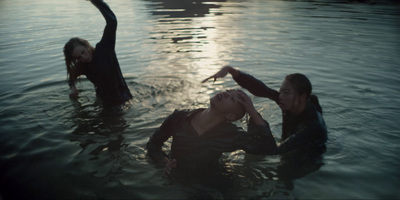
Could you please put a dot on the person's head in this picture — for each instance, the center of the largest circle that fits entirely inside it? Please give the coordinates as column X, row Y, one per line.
column 295, row 91
column 77, row 51
column 227, row 103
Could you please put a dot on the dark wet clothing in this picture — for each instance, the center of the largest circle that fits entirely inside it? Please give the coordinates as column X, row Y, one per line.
column 194, row 152
column 104, row 71
column 306, row 130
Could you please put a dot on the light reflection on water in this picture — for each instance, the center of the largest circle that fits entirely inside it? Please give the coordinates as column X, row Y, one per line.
column 52, row 146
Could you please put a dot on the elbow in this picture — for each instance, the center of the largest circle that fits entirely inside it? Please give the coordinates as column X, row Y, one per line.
column 271, row 150
column 154, row 151
column 151, row 147
column 270, row 147
column 151, row 150
column 112, row 23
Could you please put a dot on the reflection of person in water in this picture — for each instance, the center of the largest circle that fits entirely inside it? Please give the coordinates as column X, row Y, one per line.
column 183, row 8
column 303, row 125
column 200, row 136
column 100, row 65
column 90, row 123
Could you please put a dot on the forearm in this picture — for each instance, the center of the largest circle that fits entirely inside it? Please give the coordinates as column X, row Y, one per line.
column 309, row 134
column 160, row 136
column 71, row 83
column 254, row 86
column 73, row 90
column 256, row 118
column 156, row 152
column 262, row 142
column 106, row 11
column 289, row 144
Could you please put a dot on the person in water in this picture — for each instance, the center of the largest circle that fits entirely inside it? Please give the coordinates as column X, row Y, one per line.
column 302, row 123
column 200, row 136
column 100, row 65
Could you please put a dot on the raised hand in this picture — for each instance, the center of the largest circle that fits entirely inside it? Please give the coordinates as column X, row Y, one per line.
column 249, row 107
column 220, row 74
column 246, row 102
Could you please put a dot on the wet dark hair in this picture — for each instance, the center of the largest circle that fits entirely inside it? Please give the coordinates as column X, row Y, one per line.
column 73, row 69
column 302, row 85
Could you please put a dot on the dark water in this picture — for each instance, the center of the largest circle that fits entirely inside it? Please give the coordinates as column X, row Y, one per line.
column 54, row 147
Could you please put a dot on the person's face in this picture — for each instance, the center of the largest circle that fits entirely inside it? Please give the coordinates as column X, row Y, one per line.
column 287, row 97
column 82, row 54
column 226, row 102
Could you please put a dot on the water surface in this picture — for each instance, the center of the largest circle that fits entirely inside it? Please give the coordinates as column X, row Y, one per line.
column 54, row 147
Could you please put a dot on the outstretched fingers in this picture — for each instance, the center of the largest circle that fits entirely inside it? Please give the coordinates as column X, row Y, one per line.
column 205, row 80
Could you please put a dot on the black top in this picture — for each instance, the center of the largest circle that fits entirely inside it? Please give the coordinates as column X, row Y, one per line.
column 307, row 129
column 196, row 152
column 105, row 72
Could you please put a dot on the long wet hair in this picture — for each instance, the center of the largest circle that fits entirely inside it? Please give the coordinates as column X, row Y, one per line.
column 74, row 67
column 302, row 85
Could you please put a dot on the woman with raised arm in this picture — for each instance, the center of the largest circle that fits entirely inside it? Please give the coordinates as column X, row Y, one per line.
column 200, row 136
column 302, row 123
column 100, row 65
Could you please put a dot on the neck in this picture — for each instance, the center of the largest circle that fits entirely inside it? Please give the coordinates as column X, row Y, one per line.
column 206, row 120
column 299, row 109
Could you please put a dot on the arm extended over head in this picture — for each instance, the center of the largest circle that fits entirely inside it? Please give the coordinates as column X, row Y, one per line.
column 253, row 85
column 110, row 29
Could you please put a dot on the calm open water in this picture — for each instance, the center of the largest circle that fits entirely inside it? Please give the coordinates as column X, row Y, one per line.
column 54, row 147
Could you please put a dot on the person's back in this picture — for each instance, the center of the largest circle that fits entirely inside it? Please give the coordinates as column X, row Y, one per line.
column 308, row 128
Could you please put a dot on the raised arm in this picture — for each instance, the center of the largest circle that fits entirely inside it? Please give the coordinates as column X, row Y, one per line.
column 258, row 139
column 109, row 34
column 253, row 85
